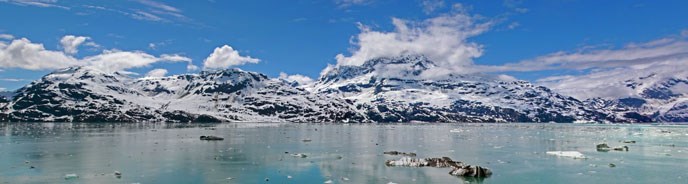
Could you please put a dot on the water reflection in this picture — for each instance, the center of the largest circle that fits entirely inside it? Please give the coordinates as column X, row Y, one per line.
column 346, row 153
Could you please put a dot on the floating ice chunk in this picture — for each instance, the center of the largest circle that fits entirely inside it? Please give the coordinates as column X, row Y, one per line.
column 71, row 176
column 572, row 154
column 299, row 155
column 407, row 161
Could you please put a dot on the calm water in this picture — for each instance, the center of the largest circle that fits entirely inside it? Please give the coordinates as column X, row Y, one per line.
column 251, row 152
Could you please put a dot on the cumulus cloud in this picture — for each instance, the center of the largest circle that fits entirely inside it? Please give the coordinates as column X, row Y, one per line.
column 24, row 54
column 115, row 60
column 300, row 79
column 442, row 39
column 70, row 43
column 226, row 56
column 159, row 72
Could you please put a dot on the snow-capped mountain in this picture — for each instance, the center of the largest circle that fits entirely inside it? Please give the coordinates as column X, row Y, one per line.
column 651, row 98
column 87, row 94
column 394, row 89
column 398, row 89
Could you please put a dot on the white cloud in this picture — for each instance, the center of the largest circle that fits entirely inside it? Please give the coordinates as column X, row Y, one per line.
column 443, row 39
column 157, row 11
column 114, row 60
column 515, row 6
column 159, row 5
column 631, row 54
column 159, row 72
column 226, row 56
column 6, row 36
column 430, row 6
column 36, row 3
column 611, row 83
column 300, row 79
column 24, row 54
column 513, row 25
column 13, row 80
column 142, row 15
column 70, row 43
column 610, row 68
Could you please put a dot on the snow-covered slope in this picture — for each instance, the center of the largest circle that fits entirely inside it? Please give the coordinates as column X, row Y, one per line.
column 87, row 94
column 650, row 98
column 647, row 91
column 399, row 89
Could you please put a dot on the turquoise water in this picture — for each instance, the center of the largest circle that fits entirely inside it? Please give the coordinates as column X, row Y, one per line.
column 343, row 153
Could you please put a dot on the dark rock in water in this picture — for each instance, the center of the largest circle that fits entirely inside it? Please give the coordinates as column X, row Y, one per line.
column 458, row 168
column 622, row 148
column 211, row 138
column 604, row 148
column 470, row 171
column 400, row 153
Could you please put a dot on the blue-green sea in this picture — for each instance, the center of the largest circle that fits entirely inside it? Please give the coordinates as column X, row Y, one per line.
column 336, row 153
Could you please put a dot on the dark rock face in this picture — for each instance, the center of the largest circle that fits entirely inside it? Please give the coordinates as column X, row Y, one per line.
column 211, row 138
column 399, row 153
column 470, row 171
column 605, row 148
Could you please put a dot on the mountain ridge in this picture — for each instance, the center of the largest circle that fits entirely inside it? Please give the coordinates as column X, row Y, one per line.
column 386, row 89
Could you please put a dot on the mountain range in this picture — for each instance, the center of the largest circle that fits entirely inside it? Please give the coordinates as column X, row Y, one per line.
column 388, row 89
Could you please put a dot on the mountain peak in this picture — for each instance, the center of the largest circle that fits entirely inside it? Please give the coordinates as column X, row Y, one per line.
column 398, row 66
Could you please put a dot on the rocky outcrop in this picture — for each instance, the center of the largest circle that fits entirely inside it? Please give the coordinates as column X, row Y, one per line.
column 605, row 148
column 211, row 138
column 458, row 168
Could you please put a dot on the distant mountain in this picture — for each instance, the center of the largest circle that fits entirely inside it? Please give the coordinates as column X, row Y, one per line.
column 653, row 98
column 89, row 95
column 398, row 89
column 390, row 89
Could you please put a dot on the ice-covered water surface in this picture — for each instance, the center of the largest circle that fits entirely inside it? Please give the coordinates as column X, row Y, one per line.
column 337, row 153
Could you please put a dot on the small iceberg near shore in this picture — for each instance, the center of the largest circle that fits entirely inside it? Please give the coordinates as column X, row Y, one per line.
column 571, row 154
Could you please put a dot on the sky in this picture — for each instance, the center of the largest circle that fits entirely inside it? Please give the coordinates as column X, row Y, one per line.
column 538, row 41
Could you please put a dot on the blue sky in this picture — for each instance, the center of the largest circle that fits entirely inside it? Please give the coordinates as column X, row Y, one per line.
column 304, row 36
